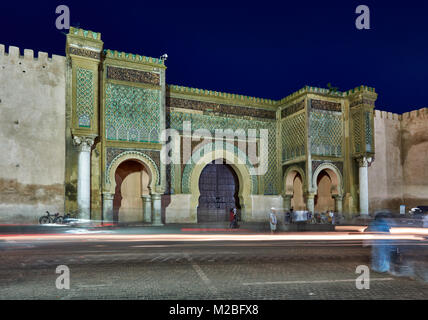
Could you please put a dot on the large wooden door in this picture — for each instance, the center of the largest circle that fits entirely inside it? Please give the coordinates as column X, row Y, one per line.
column 218, row 186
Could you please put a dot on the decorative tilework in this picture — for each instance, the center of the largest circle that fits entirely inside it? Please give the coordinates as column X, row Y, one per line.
column 326, row 133
column 326, row 105
column 293, row 109
column 131, row 75
column 337, row 164
column 132, row 114
column 362, row 101
column 211, row 123
column 220, row 109
column 119, row 155
column 369, row 133
column 84, row 97
column 84, row 53
column 293, row 137
column 114, row 152
column 356, row 124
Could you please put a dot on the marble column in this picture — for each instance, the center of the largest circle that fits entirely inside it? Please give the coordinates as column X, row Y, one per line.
column 156, row 209
column 147, row 208
column 84, row 145
column 108, row 206
column 310, row 204
column 338, row 203
column 363, row 163
column 287, row 202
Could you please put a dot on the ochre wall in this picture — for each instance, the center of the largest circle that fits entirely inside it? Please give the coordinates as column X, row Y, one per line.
column 414, row 144
column 398, row 175
column 32, row 126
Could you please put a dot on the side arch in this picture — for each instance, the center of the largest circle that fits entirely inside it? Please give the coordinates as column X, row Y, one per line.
column 335, row 177
column 289, row 178
column 140, row 157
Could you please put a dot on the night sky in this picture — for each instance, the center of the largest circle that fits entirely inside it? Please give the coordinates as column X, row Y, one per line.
column 256, row 48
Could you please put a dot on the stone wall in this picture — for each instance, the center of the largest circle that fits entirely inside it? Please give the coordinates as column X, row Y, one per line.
column 414, row 157
column 398, row 174
column 32, row 126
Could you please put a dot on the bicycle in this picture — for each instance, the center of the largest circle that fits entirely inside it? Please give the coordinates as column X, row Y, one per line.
column 51, row 218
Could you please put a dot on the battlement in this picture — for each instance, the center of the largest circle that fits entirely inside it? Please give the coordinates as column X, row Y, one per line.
column 358, row 90
column 419, row 113
column 379, row 114
column 132, row 57
column 88, row 34
column 42, row 57
column 324, row 91
column 415, row 114
column 211, row 93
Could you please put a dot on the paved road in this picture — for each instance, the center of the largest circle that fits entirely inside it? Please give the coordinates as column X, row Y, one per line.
column 171, row 269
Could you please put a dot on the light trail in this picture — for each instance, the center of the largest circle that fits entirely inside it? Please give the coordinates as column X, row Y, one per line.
column 320, row 236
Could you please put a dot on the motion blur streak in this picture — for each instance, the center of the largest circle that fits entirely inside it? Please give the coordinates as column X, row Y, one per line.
column 322, row 236
column 420, row 231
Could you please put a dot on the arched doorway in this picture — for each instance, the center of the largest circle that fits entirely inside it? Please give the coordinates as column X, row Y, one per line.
column 293, row 187
column 219, row 192
column 324, row 199
column 132, row 181
column 297, row 201
column 327, row 184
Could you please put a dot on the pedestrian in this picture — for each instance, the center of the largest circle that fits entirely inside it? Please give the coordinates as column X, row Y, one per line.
column 235, row 218
column 231, row 218
column 272, row 221
column 333, row 217
column 330, row 216
column 287, row 217
column 291, row 215
column 381, row 249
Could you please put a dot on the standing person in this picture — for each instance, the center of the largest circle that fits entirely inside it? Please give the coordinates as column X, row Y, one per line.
column 272, row 221
column 287, row 217
column 235, row 218
column 381, row 249
column 291, row 214
column 333, row 217
column 231, row 218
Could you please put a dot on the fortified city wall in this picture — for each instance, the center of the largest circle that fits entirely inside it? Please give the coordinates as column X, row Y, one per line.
column 398, row 175
column 32, row 126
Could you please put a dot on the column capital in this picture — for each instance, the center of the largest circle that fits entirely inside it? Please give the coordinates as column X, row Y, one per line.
column 364, row 161
column 146, row 197
column 84, row 143
column 108, row 196
column 159, row 189
column 338, row 197
column 156, row 196
column 287, row 196
column 310, row 195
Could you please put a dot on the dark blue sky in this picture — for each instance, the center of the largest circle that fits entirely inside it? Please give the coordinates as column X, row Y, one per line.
column 257, row 48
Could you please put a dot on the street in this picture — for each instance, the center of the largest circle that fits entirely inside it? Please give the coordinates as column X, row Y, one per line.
column 123, row 265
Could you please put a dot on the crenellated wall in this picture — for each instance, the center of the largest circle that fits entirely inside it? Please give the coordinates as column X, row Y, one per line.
column 398, row 175
column 414, row 157
column 32, row 126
